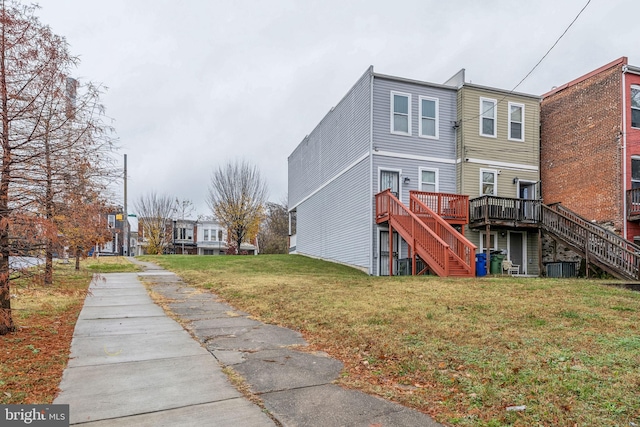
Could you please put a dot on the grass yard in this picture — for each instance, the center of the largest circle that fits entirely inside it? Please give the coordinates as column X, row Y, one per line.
column 33, row 358
column 462, row 350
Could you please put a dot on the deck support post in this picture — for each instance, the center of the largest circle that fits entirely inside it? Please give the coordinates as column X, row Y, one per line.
column 487, row 240
column 390, row 249
column 586, row 255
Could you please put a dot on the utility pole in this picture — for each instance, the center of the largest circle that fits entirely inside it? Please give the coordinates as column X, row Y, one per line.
column 126, row 214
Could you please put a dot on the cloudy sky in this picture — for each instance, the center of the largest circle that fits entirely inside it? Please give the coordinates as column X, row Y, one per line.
column 194, row 84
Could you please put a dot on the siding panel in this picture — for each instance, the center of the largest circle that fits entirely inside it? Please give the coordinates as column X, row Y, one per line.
column 337, row 141
column 334, row 224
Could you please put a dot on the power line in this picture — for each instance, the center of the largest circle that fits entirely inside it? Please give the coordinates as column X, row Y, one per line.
column 554, row 45
column 535, row 66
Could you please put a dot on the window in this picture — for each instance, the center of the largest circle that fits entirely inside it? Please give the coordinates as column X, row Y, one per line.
column 516, row 122
column 111, row 221
column 429, row 117
column 488, row 184
column 488, row 117
column 493, row 242
column 401, row 113
column 635, row 172
column 206, row 235
column 429, row 180
column 635, row 106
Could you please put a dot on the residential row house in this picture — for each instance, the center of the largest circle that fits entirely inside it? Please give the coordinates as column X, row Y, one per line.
column 397, row 158
column 590, row 160
column 411, row 176
column 191, row 237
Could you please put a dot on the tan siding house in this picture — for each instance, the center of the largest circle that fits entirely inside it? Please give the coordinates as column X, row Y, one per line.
column 498, row 146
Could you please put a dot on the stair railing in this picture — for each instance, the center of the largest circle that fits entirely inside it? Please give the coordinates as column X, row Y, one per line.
column 425, row 242
column 460, row 247
column 613, row 253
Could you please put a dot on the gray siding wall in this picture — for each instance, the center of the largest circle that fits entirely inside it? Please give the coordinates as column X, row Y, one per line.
column 335, row 223
column 338, row 141
column 443, row 147
column 408, row 154
column 408, row 168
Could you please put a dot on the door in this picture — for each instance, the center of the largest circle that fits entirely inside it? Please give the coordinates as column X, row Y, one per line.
column 390, row 179
column 517, row 249
column 384, row 253
column 527, row 191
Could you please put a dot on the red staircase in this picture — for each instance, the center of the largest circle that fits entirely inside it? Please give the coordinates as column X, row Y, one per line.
column 445, row 251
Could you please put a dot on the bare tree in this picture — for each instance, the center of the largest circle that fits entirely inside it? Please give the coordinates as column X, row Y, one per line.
column 154, row 218
column 274, row 232
column 237, row 195
column 34, row 132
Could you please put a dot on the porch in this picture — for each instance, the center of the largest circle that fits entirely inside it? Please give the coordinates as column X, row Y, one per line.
column 504, row 212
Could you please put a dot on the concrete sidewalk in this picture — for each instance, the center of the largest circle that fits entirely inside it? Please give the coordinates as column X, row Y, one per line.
column 131, row 365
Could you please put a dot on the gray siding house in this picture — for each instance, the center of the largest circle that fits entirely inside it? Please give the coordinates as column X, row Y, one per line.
column 386, row 133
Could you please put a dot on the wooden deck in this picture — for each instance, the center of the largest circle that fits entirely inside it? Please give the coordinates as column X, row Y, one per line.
column 504, row 212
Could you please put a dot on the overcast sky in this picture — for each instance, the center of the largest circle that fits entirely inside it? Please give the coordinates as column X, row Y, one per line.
column 194, row 84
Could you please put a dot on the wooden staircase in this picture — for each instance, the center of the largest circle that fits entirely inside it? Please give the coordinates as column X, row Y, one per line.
column 445, row 251
column 598, row 246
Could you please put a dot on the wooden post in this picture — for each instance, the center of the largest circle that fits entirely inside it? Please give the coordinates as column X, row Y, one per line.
column 390, row 249
column 586, row 255
column 540, row 251
column 487, row 245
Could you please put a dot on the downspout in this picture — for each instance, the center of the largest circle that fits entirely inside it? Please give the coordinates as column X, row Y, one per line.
column 624, row 151
column 371, row 207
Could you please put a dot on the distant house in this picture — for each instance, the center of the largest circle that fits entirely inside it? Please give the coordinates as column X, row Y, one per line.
column 114, row 222
column 211, row 238
column 184, row 237
column 133, row 234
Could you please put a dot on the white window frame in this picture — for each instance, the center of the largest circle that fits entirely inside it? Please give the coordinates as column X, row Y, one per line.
column 633, row 87
column 495, row 182
column 495, row 117
column 436, row 118
column 483, row 239
column 393, row 113
column 399, row 171
column 636, row 158
column 437, row 171
column 515, row 104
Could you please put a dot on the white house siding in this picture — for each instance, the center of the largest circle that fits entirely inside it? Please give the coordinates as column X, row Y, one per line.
column 334, row 224
column 340, row 139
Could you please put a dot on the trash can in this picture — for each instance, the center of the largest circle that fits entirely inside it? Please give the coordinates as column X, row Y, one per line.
column 496, row 263
column 481, row 264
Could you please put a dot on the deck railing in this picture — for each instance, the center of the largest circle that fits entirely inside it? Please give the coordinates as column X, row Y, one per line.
column 504, row 209
column 633, row 203
column 459, row 246
column 453, row 207
column 612, row 252
column 425, row 242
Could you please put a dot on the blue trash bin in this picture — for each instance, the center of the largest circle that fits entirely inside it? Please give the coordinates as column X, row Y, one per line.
column 481, row 264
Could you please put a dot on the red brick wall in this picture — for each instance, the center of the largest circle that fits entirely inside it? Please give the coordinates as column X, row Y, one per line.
column 633, row 147
column 581, row 147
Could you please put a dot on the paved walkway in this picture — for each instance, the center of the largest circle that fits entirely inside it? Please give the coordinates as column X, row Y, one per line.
column 131, row 365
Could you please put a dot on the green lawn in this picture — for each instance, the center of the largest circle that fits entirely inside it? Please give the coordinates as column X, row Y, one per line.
column 463, row 350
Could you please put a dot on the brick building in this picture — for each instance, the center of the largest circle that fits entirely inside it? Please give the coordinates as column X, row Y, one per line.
column 590, row 146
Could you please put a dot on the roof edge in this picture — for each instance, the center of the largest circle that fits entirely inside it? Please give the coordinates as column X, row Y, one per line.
column 620, row 61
